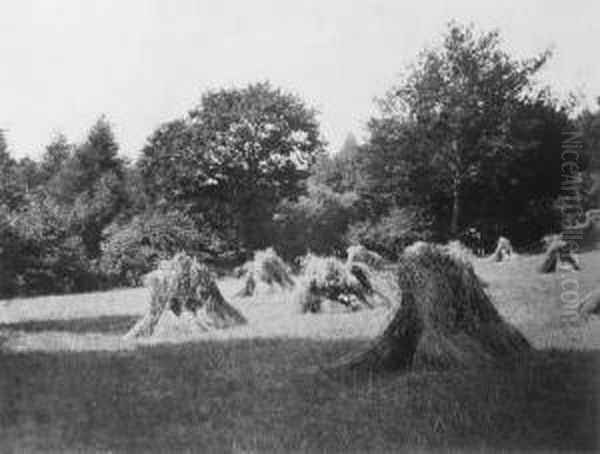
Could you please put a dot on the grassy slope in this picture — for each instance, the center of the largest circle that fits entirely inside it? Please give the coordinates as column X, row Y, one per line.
column 73, row 385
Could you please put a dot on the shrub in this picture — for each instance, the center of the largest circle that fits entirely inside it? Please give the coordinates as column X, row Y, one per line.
column 39, row 255
column 390, row 234
column 317, row 222
column 8, row 243
column 134, row 249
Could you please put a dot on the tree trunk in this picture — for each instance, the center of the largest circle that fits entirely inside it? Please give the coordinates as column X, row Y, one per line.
column 456, row 191
column 456, row 209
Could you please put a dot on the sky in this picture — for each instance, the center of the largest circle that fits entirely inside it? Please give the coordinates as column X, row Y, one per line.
column 63, row 63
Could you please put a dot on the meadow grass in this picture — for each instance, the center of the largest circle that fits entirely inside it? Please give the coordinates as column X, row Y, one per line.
column 69, row 383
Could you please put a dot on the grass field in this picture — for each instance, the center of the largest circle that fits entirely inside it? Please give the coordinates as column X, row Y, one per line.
column 69, row 383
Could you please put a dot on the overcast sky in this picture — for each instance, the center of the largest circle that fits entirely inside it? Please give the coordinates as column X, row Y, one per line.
column 143, row 62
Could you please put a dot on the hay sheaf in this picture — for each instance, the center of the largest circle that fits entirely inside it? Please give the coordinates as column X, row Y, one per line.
column 268, row 268
column 558, row 256
column 503, row 251
column 353, row 284
column 330, row 278
column 445, row 319
column 360, row 254
column 457, row 249
column 586, row 232
column 183, row 287
column 454, row 249
column 590, row 305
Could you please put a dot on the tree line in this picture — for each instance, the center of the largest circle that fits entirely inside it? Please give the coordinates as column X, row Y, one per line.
column 467, row 140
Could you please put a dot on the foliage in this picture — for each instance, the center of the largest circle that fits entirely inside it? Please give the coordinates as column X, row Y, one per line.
column 465, row 142
column 11, row 188
column 234, row 158
column 390, row 234
column 134, row 249
column 56, row 154
column 91, row 181
column 451, row 117
column 53, row 231
column 344, row 171
column 516, row 198
column 39, row 254
column 8, row 251
column 316, row 222
column 588, row 123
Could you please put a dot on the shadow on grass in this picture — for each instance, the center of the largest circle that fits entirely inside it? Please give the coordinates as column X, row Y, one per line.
column 258, row 395
column 109, row 324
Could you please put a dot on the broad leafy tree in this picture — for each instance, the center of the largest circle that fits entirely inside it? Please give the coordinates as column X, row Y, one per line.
column 516, row 196
column 233, row 159
column 451, row 116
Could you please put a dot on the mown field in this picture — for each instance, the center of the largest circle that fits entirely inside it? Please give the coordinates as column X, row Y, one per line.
column 69, row 383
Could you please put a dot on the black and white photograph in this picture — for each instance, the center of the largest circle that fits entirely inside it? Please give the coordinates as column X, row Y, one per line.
column 310, row 226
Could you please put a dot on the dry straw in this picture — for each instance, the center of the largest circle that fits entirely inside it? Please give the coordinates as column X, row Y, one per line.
column 445, row 320
column 558, row 255
column 268, row 268
column 183, row 285
column 504, row 250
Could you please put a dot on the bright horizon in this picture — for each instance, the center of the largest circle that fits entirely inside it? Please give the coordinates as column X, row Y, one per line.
column 143, row 62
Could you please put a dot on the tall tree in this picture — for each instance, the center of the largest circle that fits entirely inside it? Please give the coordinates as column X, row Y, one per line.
column 90, row 181
column 588, row 123
column 234, row 158
column 459, row 100
column 97, row 156
column 55, row 155
column 515, row 195
column 11, row 190
column 343, row 170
